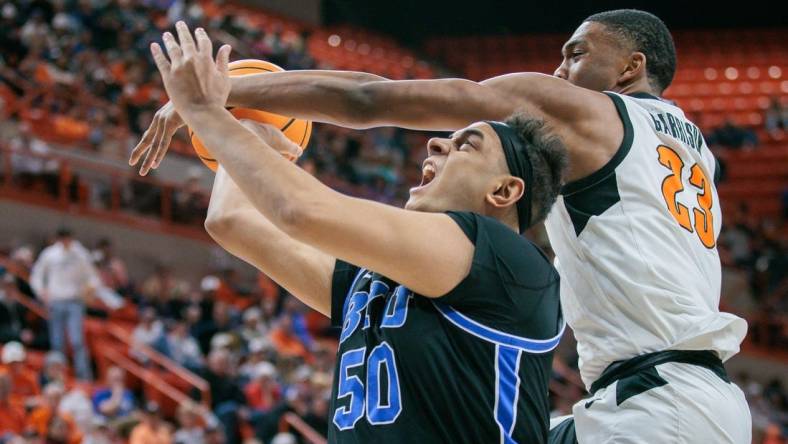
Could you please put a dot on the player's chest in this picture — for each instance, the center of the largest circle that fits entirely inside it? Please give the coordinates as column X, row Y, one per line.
column 378, row 310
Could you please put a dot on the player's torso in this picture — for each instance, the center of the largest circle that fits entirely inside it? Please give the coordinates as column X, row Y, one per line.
column 407, row 374
column 636, row 244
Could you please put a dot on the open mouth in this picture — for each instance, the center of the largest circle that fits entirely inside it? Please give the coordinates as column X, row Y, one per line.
column 427, row 174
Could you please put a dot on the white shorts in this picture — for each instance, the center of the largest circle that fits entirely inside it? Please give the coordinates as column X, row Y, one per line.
column 669, row 403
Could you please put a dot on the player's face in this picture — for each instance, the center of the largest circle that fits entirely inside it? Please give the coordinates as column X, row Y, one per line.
column 459, row 171
column 592, row 59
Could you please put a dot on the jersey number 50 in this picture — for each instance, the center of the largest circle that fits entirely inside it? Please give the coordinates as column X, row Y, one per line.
column 673, row 185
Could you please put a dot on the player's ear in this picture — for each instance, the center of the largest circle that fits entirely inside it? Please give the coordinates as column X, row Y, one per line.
column 507, row 192
column 635, row 68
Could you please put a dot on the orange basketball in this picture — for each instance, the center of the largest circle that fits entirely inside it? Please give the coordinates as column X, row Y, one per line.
column 296, row 130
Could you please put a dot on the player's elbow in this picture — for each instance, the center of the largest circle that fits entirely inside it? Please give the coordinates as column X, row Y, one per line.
column 220, row 225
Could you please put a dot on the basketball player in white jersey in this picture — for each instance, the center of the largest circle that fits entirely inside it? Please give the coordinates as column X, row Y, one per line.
column 635, row 231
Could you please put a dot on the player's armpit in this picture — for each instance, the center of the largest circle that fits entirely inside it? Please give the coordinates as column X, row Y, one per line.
column 426, row 252
column 245, row 233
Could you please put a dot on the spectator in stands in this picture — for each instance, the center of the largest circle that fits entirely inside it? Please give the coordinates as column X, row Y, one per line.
column 23, row 382
column 190, row 202
column 263, row 392
column 114, row 401
column 99, row 433
column 220, row 321
column 55, row 369
column 12, row 409
column 730, row 135
column 227, row 398
column 253, row 326
column 76, row 404
column 182, row 348
column 259, row 350
column 63, row 277
column 149, row 332
column 776, row 118
column 194, row 420
column 32, row 163
column 286, row 342
column 111, row 268
column 161, row 288
column 12, row 326
column 46, row 421
column 151, row 430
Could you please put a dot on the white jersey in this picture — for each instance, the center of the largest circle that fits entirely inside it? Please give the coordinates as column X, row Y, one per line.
column 636, row 245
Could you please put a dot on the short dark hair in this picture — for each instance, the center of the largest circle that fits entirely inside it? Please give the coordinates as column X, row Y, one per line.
column 646, row 33
column 548, row 162
column 63, row 232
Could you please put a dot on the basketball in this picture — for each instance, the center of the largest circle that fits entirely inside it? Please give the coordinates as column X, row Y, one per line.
column 297, row 130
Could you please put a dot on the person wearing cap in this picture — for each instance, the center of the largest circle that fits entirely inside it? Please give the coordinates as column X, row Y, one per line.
column 263, row 391
column 151, row 430
column 449, row 316
column 63, row 277
column 23, row 382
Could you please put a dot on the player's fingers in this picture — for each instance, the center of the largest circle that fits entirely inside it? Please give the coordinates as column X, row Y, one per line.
column 149, row 156
column 161, row 150
column 143, row 144
column 204, row 44
column 185, row 39
column 173, row 50
column 160, row 59
column 223, row 58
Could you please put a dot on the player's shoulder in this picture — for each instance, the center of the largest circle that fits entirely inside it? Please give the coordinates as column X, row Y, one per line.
column 499, row 247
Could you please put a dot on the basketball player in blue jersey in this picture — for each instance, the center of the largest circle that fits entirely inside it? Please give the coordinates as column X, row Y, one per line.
column 449, row 316
column 634, row 230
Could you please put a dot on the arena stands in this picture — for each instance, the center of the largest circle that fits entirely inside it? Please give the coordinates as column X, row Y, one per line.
column 225, row 358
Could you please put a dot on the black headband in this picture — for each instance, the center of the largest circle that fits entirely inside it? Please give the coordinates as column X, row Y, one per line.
column 519, row 164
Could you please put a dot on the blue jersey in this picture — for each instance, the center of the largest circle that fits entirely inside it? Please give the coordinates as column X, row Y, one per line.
column 471, row 366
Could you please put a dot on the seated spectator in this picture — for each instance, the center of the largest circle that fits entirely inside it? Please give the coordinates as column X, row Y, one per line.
column 194, row 420
column 162, row 287
column 182, row 348
column 111, row 268
column 12, row 327
column 263, row 392
column 77, row 405
column 260, row 350
column 148, row 332
column 114, row 401
column 220, row 322
column 12, row 409
column 227, row 398
column 47, row 422
column 99, row 433
column 23, row 381
column 286, row 342
column 55, row 369
column 776, row 118
column 253, row 326
column 730, row 135
column 151, row 430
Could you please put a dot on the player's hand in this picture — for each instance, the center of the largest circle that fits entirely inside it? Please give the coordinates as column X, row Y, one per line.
column 194, row 81
column 275, row 138
column 157, row 138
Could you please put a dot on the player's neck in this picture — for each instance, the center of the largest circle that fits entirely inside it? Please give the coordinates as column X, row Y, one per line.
column 640, row 86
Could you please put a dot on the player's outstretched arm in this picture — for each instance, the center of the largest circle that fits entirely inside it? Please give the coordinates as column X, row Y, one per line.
column 239, row 228
column 155, row 142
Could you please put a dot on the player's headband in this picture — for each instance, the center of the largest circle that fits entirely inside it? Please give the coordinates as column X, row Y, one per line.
column 516, row 153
